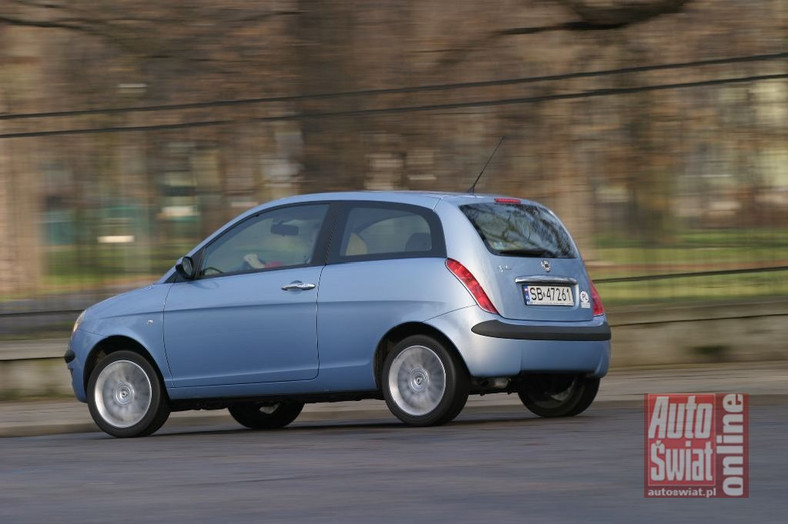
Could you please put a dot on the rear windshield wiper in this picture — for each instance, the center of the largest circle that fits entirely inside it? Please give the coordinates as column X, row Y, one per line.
column 535, row 252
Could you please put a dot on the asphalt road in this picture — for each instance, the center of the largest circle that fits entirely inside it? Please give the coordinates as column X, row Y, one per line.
column 498, row 465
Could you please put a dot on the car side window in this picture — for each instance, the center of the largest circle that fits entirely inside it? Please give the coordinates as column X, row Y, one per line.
column 375, row 231
column 278, row 238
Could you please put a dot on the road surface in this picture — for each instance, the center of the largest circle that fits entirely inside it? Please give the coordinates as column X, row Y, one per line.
column 496, row 465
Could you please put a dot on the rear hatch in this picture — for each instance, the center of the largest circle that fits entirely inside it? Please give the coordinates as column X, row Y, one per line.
column 539, row 274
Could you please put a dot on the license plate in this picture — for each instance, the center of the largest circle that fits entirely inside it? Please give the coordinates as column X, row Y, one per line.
column 542, row 295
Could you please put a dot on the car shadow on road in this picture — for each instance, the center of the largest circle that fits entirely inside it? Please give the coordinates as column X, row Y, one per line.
column 337, row 425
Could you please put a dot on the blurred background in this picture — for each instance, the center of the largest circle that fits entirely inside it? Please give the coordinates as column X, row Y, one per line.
column 656, row 129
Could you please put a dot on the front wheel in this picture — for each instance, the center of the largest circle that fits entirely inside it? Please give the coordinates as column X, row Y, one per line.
column 256, row 415
column 125, row 396
column 423, row 382
column 558, row 395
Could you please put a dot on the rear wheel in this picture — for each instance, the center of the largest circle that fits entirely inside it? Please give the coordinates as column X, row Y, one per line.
column 558, row 395
column 256, row 415
column 424, row 384
column 125, row 396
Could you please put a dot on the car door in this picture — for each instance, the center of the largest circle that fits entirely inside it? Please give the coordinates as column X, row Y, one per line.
column 386, row 265
column 250, row 315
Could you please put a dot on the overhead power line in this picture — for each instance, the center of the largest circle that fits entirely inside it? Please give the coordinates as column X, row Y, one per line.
column 405, row 109
column 399, row 90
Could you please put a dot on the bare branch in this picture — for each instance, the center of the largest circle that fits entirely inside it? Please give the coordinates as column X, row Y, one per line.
column 47, row 24
column 621, row 12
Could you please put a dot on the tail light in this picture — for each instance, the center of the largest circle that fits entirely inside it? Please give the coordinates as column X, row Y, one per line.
column 470, row 282
column 596, row 301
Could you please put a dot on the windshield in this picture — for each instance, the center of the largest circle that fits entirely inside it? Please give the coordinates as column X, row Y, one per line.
column 520, row 230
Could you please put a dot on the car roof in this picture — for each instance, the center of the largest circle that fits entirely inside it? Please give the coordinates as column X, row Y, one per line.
column 421, row 198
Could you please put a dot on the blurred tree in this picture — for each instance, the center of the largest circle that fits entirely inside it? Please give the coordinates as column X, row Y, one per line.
column 325, row 53
column 109, row 54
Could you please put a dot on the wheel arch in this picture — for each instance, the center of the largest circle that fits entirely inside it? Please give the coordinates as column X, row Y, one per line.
column 115, row 343
column 403, row 331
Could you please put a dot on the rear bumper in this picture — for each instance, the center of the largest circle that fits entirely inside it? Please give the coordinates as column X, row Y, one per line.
column 494, row 348
column 498, row 329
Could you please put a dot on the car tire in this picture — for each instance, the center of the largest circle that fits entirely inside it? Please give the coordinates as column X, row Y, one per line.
column 558, row 395
column 256, row 415
column 423, row 382
column 126, row 397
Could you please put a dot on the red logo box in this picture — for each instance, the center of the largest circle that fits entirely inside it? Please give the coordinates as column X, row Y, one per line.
column 696, row 445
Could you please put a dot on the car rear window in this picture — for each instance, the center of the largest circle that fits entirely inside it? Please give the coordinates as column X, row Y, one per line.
column 520, row 230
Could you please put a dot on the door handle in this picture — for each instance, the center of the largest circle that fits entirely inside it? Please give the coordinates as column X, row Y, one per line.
column 297, row 284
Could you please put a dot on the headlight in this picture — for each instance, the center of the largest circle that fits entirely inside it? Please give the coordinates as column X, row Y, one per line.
column 78, row 322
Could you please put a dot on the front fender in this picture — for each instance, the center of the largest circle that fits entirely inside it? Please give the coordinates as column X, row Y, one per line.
column 136, row 316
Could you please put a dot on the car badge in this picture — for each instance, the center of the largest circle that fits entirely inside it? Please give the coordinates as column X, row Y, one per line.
column 585, row 302
column 546, row 266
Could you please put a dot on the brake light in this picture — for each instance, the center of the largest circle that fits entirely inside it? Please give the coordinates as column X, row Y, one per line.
column 508, row 200
column 470, row 282
column 596, row 301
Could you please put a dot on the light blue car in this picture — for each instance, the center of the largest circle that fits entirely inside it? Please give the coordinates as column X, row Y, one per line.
column 416, row 298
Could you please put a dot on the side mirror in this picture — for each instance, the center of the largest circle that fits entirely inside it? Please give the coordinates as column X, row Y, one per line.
column 185, row 268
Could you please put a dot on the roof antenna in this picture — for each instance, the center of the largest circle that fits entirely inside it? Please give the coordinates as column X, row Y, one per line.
column 472, row 189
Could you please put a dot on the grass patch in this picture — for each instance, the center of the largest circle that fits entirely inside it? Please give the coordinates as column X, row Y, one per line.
column 681, row 290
